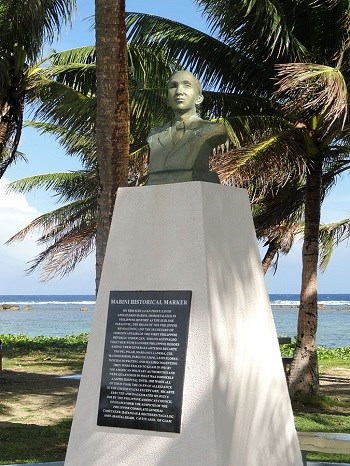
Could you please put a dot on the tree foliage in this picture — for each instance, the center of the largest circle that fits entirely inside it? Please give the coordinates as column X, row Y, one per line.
column 278, row 75
column 24, row 29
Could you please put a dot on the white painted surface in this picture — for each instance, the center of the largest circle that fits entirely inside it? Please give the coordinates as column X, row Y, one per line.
column 236, row 410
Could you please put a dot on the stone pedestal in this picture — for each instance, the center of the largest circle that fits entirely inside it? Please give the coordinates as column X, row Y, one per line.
column 236, row 411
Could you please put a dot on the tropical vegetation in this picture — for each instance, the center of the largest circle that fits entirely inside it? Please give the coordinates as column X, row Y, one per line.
column 291, row 151
column 24, row 29
column 20, row 345
column 278, row 75
column 66, row 109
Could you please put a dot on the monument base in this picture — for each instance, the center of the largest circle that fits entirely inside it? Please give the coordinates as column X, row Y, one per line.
column 235, row 410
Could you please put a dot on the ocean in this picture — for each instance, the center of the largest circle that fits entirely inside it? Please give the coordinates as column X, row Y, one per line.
column 60, row 315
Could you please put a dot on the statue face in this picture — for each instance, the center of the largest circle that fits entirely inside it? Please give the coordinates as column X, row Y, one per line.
column 183, row 92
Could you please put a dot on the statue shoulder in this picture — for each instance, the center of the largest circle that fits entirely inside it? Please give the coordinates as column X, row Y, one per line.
column 215, row 126
column 214, row 130
column 159, row 129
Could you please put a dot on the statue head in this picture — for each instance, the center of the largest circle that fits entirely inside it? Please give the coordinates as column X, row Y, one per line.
column 184, row 92
column 180, row 149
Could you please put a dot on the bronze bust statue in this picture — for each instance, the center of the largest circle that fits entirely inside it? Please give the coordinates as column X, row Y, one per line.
column 180, row 150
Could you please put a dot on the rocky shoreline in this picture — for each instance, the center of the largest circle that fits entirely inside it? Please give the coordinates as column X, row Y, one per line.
column 14, row 307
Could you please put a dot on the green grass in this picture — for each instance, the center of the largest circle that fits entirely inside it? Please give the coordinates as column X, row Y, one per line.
column 327, row 357
column 328, row 413
column 21, row 443
column 331, row 415
column 44, row 354
column 19, row 345
column 29, row 443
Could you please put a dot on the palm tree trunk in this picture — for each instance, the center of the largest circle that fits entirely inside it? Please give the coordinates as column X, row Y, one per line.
column 11, row 131
column 304, row 377
column 271, row 252
column 4, row 135
column 4, row 129
column 112, row 117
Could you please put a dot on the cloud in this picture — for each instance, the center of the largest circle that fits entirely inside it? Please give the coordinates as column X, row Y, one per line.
column 15, row 213
column 16, row 201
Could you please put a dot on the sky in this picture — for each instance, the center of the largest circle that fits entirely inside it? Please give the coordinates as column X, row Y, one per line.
column 45, row 155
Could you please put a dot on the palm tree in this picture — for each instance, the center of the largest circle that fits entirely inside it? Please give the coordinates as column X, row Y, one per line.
column 285, row 56
column 287, row 156
column 65, row 107
column 24, row 28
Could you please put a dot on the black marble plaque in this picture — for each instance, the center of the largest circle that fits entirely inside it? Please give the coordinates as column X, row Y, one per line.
column 144, row 360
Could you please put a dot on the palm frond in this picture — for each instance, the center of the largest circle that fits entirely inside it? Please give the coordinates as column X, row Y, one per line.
column 269, row 153
column 67, row 185
column 75, row 68
column 278, row 239
column 78, row 76
column 314, row 94
column 210, row 59
column 148, row 68
column 68, row 234
column 138, row 166
column 330, row 236
column 228, row 105
column 85, row 54
column 48, row 222
column 258, row 29
column 148, row 108
column 338, row 144
column 61, row 258
column 74, row 143
column 283, row 206
column 327, row 44
column 62, row 105
column 5, row 156
column 32, row 23
column 285, row 232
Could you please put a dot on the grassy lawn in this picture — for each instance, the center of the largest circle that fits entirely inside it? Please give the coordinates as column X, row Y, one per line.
column 331, row 411
column 37, row 361
column 32, row 365
column 27, row 443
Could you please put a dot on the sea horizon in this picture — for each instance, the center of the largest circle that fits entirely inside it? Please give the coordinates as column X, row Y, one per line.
column 68, row 314
column 275, row 298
